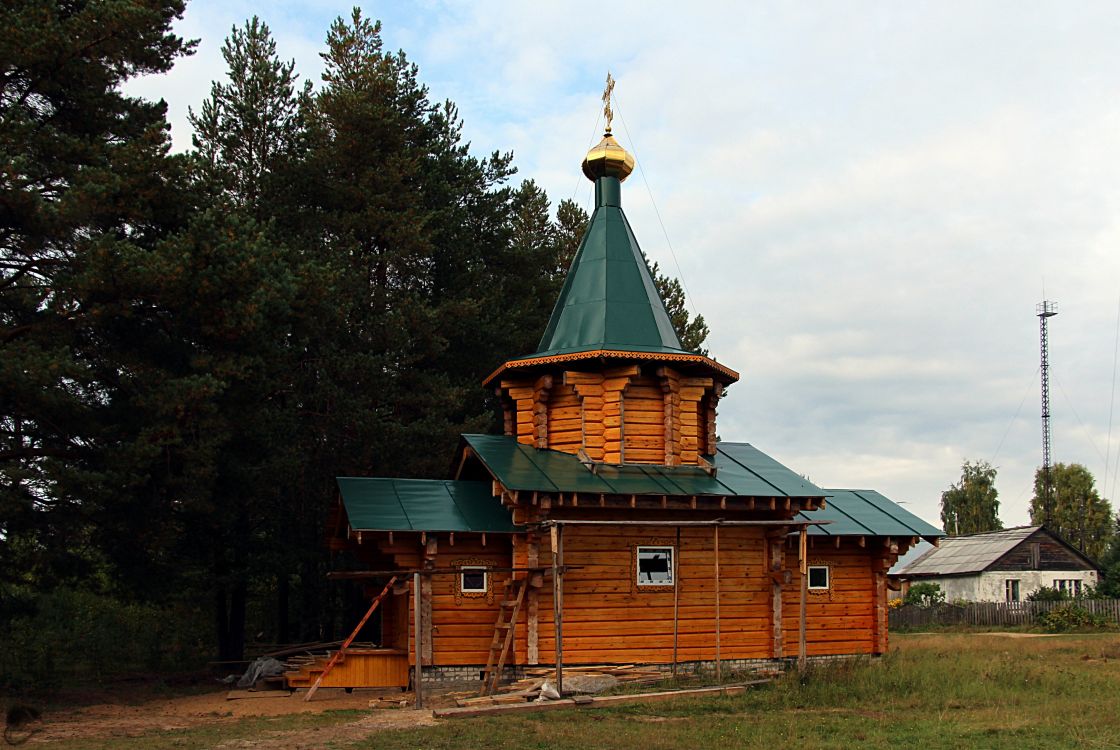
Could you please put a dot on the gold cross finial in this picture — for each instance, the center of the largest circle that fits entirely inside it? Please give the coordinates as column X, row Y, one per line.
column 608, row 113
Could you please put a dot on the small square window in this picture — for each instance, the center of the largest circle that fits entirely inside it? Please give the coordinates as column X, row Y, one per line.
column 473, row 580
column 1011, row 589
column 818, row 577
column 655, row 566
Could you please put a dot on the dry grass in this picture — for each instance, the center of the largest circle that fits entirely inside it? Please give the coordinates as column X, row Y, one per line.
column 987, row 691
column 938, row 691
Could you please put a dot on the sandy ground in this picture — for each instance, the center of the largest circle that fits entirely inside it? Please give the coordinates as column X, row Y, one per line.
column 115, row 720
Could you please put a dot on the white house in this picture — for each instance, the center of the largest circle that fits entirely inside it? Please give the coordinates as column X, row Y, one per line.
column 1001, row 566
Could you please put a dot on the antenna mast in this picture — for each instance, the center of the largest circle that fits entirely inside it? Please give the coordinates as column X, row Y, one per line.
column 1045, row 310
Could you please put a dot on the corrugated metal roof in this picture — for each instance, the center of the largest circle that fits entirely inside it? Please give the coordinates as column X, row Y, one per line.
column 866, row 512
column 961, row 555
column 378, row 504
column 741, row 471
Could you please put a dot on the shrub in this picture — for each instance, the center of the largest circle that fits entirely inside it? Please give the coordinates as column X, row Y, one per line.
column 78, row 634
column 1047, row 594
column 1071, row 617
column 924, row 594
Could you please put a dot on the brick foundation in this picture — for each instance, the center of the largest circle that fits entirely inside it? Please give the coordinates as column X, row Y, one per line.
column 470, row 676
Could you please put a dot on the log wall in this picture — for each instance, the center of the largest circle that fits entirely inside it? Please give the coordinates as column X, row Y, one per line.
column 840, row 620
column 608, row 618
column 627, row 414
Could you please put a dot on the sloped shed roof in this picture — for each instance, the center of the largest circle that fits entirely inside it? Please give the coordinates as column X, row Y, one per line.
column 422, row 505
column 962, row 555
column 867, row 513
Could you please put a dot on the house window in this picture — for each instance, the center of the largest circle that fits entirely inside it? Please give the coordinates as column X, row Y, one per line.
column 473, row 580
column 1011, row 589
column 1070, row 586
column 655, row 566
column 818, row 577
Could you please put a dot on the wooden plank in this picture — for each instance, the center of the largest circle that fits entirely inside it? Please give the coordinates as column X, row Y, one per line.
column 338, row 655
column 234, row 695
column 596, row 701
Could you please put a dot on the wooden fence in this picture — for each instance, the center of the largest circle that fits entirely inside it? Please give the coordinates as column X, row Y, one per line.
column 993, row 613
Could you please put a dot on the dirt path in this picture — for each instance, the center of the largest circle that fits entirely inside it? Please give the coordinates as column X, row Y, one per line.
column 109, row 720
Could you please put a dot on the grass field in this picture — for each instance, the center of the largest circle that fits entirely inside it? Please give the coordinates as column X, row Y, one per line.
column 985, row 691
column 936, row 691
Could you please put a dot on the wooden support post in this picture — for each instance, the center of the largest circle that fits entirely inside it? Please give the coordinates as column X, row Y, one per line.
column 532, row 556
column 676, row 597
column 719, row 661
column 557, row 540
column 417, row 628
column 879, row 607
column 804, row 568
column 430, row 550
column 775, row 556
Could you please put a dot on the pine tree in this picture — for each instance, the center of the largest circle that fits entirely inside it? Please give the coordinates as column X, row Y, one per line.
column 250, row 125
column 87, row 180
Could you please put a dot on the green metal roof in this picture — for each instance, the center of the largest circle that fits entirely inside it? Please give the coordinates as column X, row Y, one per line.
column 376, row 504
column 867, row 513
column 609, row 299
column 741, row 470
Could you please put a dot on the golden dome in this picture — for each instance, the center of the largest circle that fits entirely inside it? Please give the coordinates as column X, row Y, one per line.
column 608, row 159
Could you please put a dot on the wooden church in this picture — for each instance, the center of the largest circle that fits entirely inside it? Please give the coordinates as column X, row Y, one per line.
column 608, row 524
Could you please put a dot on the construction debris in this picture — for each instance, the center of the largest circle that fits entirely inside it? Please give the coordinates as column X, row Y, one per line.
column 483, row 709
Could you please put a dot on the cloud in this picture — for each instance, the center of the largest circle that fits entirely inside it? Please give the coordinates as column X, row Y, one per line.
column 864, row 200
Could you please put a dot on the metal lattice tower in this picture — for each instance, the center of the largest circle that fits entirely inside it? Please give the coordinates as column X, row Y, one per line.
column 1045, row 311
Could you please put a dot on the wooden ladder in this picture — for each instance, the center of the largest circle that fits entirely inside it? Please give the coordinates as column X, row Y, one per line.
column 502, row 642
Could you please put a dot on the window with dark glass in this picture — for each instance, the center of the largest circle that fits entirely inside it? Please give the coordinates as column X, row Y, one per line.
column 655, row 566
column 473, row 580
column 818, row 577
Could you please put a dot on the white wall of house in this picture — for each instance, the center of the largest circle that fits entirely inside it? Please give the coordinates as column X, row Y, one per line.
column 992, row 586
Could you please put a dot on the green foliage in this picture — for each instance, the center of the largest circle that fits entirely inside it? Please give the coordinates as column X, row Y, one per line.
column 1071, row 617
column 192, row 347
column 251, row 124
column 69, row 634
column 1047, row 594
column 691, row 331
column 971, row 506
column 87, row 183
column 924, row 594
column 1079, row 514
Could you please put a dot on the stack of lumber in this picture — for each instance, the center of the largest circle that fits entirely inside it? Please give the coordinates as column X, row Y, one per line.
column 625, row 673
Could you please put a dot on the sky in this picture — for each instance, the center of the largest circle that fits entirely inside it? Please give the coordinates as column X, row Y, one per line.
column 865, row 201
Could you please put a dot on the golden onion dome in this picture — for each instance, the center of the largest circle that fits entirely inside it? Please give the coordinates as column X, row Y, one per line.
column 608, row 159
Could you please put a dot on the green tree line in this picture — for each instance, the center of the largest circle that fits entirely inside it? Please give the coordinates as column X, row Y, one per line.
column 193, row 345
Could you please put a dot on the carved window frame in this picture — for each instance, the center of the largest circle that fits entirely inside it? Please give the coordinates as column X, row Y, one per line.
column 819, row 593
column 473, row 563
column 635, row 584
